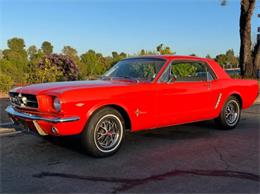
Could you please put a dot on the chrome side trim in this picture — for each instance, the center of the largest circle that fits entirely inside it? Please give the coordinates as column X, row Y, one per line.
column 218, row 100
column 11, row 111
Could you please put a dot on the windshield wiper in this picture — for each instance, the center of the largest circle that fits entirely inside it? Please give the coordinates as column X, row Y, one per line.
column 129, row 78
column 106, row 78
column 123, row 77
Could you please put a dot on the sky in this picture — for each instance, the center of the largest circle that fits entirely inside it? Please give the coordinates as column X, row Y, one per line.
column 187, row 26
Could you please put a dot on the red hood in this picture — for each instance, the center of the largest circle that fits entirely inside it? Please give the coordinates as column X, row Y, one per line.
column 60, row 87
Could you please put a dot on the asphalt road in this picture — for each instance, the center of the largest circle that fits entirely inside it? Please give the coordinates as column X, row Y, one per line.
column 195, row 158
column 4, row 102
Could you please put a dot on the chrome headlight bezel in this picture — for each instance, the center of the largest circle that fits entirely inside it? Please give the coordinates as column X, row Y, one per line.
column 57, row 104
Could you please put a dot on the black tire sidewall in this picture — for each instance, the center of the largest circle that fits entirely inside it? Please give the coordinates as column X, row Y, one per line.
column 222, row 119
column 87, row 137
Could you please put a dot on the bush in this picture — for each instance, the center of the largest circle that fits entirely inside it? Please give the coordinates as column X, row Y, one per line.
column 6, row 82
column 60, row 67
column 48, row 73
column 52, row 68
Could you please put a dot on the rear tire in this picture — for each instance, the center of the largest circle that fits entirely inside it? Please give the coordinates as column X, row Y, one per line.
column 230, row 114
column 104, row 133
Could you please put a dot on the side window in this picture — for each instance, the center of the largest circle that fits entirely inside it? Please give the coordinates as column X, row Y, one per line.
column 189, row 71
column 186, row 71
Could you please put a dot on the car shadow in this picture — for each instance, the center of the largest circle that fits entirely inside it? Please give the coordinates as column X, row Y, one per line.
column 68, row 142
column 180, row 132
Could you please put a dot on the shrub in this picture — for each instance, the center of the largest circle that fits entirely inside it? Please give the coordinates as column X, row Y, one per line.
column 6, row 82
column 60, row 67
column 48, row 73
column 51, row 68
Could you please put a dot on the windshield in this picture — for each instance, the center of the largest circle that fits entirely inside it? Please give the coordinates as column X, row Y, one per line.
column 139, row 69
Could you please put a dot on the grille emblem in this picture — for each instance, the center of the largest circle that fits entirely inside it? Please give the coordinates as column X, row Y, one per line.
column 24, row 100
column 20, row 100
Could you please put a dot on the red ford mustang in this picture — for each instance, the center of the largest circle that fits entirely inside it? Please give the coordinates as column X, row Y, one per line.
column 135, row 94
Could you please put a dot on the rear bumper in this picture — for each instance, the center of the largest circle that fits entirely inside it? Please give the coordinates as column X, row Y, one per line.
column 11, row 111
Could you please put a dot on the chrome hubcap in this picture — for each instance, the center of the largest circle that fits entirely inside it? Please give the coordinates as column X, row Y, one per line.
column 108, row 133
column 232, row 112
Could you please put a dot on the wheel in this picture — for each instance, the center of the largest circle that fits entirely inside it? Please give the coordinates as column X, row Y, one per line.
column 104, row 133
column 230, row 114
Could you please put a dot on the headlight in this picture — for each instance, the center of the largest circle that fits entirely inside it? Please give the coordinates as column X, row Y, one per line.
column 56, row 104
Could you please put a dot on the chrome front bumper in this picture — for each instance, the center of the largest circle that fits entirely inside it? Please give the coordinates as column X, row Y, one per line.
column 11, row 111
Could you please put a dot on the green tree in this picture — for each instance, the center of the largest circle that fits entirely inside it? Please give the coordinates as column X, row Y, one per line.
column 117, row 57
column 6, row 82
column 232, row 60
column 93, row 63
column 35, row 57
column 32, row 51
column 16, row 55
column 1, row 54
column 142, row 52
column 69, row 51
column 146, row 52
column 208, row 56
column 227, row 60
column 9, row 69
column 222, row 60
column 163, row 50
column 47, row 48
column 16, row 44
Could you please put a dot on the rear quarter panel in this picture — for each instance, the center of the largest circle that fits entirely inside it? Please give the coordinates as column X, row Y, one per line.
column 247, row 89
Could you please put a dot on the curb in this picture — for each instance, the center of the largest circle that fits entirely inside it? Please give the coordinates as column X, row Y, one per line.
column 6, row 130
column 14, row 132
column 9, row 128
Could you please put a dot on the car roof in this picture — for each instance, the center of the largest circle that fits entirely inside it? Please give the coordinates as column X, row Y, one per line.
column 170, row 57
column 219, row 72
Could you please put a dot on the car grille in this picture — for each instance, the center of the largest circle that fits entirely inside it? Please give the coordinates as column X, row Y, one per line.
column 23, row 100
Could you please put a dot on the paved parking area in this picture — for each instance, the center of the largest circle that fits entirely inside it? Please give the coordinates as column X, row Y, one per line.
column 195, row 158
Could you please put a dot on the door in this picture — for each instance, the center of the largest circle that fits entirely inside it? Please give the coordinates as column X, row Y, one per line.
column 184, row 93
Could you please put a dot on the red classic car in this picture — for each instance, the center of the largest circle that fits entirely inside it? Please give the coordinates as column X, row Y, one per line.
column 135, row 94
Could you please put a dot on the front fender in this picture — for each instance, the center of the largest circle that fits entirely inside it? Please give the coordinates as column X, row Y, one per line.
column 98, row 106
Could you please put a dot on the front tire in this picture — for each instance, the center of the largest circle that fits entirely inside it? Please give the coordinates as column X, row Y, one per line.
column 104, row 133
column 230, row 114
